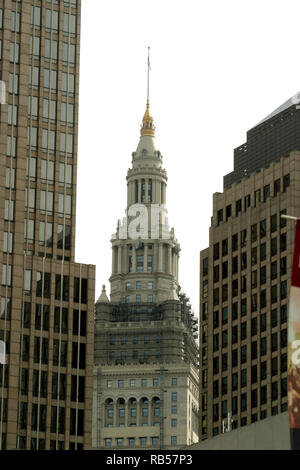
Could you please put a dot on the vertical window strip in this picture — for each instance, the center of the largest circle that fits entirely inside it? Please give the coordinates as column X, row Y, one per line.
column 40, row 356
column 9, row 232
column 78, row 356
column 27, row 242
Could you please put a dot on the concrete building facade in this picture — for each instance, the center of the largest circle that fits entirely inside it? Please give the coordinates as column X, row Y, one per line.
column 245, row 279
column 47, row 299
column 146, row 358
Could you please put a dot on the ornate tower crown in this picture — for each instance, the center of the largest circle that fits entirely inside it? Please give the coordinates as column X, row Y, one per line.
column 148, row 127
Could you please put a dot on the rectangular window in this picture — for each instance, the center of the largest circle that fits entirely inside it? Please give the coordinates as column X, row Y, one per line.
column 46, row 234
column 64, row 205
column 34, row 47
column 69, row 27
column 50, row 80
column 68, row 54
column 52, row 21
column 67, row 114
column 68, row 84
column 64, row 237
column 51, row 50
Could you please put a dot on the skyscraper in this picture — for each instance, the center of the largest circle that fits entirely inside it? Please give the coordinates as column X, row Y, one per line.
column 47, row 300
column 245, row 278
column 146, row 359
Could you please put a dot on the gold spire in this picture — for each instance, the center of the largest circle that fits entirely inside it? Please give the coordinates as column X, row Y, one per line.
column 148, row 127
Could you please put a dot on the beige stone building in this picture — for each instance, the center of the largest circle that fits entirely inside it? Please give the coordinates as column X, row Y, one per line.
column 245, row 279
column 47, row 300
column 146, row 358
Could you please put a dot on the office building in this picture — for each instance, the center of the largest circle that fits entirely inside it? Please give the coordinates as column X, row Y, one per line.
column 245, row 278
column 47, row 300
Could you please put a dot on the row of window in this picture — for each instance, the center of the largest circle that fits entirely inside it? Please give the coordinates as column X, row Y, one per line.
column 143, row 383
column 140, row 196
column 45, row 235
column 260, row 195
column 221, row 409
column 243, row 331
column 140, row 264
column 222, row 271
column 243, row 352
column 48, row 111
column 135, row 339
column 142, row 356
column 217, row 247
column 42, row 317
column 138, row 285
column 276, row 292
column 222, row 385
column 43, row 285
column 51, row 21
column 39, row 419
column 138, row 298
column 60, row 352
column 50, row 81
column 254, row 418
column 46, row 205
column 58, row 384
column 132, row 441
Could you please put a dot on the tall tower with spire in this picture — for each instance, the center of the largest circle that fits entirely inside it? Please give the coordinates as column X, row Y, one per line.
column 146, row 361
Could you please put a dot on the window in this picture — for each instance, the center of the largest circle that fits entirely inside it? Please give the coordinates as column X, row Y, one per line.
column 51, row 50
column 11, row 146
column 174, row 396
column 43, row 284
column 286, row 182
column 238, row 207
column 48, row 141
column 64, row 205
column 173, row 422
column 14, row 52
column 12, row 115
column 68, row 53
column 253, row 233
column 66, row 144
column 68, row 83
column 263, row 228
column 46, row 234
column 273, row 223
column 67, row 114
column 13, row 87
column 46, row 202
column 174, row 381
column 6, row 275
column 69, row 27
column 52, row 21
column 144, row 382
column 64, row 237
column 216, row 251
column 34, row 47
column 50, row 80
column 49, row 110
column 266, row 192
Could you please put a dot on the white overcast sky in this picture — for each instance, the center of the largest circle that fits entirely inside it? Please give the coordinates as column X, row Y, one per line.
column 217, row 68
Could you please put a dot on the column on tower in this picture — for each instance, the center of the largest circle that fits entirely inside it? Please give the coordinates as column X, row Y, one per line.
column 145, row 258
column 146, row 189
column 169, row 259
column 119, row 270
column 174, row 264
column 133, row 259
column 160, row 257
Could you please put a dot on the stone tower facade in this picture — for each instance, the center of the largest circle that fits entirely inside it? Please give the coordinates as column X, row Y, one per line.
column 146, row 358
